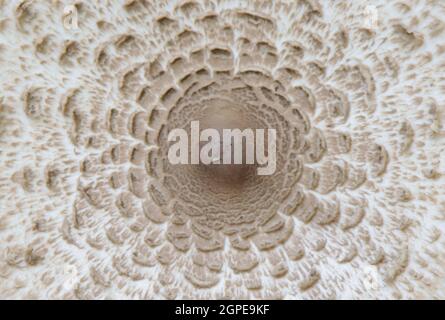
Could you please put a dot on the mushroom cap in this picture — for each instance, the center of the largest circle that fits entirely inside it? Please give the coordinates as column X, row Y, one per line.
column 91, row 208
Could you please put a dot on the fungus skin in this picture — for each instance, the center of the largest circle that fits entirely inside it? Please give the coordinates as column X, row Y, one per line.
column 90, row 208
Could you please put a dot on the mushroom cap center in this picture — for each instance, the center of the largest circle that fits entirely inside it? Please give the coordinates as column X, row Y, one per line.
column 221, row 117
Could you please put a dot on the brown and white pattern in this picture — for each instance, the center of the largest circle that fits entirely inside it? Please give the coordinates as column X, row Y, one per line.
column 90, row 208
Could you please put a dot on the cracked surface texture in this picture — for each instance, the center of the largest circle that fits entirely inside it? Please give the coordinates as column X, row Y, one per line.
column 90, row 207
